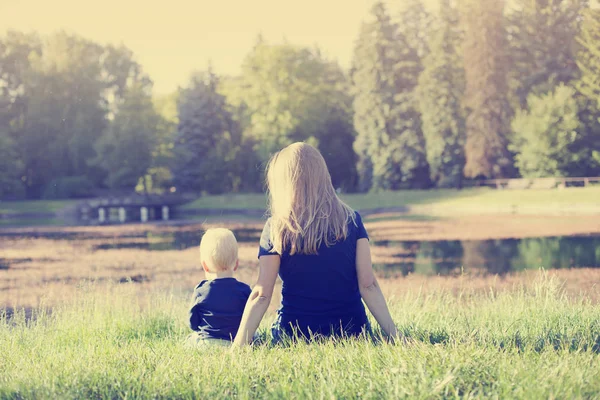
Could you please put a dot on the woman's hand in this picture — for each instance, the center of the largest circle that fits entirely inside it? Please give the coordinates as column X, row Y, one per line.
column 259, row 300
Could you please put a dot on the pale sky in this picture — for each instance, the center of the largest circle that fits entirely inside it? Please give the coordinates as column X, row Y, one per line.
column 172, row 38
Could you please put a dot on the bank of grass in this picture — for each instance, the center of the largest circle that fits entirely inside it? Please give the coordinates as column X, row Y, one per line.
column 25, row 222
column 524, row 343
column 474, row 200
column 34, row 206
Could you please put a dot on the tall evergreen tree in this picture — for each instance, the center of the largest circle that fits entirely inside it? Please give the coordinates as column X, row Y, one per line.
column 588, row 58
column 390, row 145
column 441, row 87
column 588, row 87
column 543, row 44
column 203, row 142
column 415, row 24
column 488, row 110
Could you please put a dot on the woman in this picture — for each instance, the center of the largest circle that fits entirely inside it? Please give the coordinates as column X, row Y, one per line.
column 320, row 249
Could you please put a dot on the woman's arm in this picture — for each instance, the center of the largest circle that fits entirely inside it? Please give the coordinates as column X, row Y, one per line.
column 259, row 300
column 370, row 290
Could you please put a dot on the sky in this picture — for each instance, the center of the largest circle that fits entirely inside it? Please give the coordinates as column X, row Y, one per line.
column 173, row 38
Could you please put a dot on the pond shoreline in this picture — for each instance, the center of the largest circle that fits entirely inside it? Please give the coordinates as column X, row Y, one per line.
column 391, row 226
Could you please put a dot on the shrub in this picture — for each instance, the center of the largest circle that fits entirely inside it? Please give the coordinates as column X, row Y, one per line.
column 69, row 187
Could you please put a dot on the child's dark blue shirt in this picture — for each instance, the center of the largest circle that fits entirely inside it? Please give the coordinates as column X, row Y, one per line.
column 320, row 293
column 217, row 308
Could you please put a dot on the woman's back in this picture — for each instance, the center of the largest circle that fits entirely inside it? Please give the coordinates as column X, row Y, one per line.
column 319, row 247
column 320, row 292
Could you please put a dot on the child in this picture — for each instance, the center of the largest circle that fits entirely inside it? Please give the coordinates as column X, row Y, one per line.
column 219, row 300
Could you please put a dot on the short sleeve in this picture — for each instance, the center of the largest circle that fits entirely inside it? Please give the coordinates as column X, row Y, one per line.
column 361, row 232
column 266, row 247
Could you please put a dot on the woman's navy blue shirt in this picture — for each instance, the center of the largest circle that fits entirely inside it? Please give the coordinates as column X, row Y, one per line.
column 320, row 293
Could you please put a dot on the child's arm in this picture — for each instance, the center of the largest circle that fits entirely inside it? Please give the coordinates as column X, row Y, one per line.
column 370, row 290
column 195, row 319
column 259, row 300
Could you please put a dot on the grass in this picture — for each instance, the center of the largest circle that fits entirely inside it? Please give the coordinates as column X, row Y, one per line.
column 24, row 222
column 524, row 343
column 34, row 206
column 443, row 200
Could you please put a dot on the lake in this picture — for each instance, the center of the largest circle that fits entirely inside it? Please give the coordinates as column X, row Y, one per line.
column 440, row 257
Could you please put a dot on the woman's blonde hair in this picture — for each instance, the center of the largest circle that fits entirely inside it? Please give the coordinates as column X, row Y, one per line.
column 304, row 207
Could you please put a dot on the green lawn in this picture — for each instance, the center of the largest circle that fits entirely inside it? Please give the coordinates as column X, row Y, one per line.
column 25, row 222
column 423, row 202
column 109, row 344
column 442, row 201
column 34, row 206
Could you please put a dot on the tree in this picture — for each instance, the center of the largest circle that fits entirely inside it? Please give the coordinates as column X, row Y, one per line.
column 587, row 145
column 247, row 167
column 543, row 44
column 15, row 50
column 203, row 141
column 415, row 23
column 588, row 87
column 588, row 58
column 488, row 110
column 64, row 111
column 10, row 168
column 290, row 93
column 126, row 151
column 545, row 133
column 390, row 145
column 441, row 87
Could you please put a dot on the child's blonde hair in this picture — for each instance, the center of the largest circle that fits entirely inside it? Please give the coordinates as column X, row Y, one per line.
column 219, row 249
column 305, row 209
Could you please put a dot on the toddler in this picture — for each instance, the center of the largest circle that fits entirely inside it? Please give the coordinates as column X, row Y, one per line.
column 219, row 300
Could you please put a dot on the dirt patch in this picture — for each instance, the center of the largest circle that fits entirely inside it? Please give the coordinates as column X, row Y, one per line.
column 484, row 227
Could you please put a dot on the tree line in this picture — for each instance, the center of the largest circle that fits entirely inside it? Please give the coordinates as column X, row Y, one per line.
column 432, row 99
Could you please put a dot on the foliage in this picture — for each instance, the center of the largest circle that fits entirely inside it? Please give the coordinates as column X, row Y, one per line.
column 440, row 90
column 126, row 151
column 290, row 93
column 488, row 110
column 543, row 44
column 10, row 184
column 61, row 92
column 415, row 22
column 390, row 144
column 70, row 187
column 206, row 135
column 550, row 139
column 65, row 111
column 588, row 146
column 588, row 58
column 428, row 100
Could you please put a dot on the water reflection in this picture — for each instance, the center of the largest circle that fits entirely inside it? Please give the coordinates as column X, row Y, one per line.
column 493, row 256
column 445, row 257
